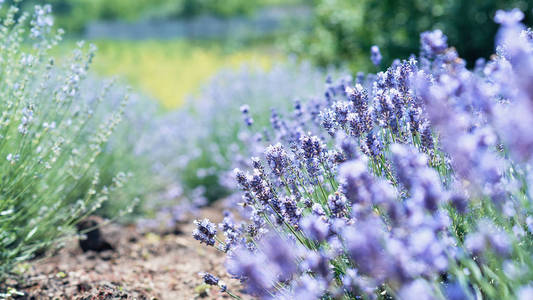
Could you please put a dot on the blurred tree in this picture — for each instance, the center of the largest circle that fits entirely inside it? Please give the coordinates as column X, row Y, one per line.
column 73, row 15
column 344, row 30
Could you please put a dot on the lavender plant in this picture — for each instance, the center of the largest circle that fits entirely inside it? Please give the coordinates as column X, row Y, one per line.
column 50, row 138
column 412, row 182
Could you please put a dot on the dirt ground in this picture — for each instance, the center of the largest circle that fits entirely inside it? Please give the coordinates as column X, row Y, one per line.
column 149, row 266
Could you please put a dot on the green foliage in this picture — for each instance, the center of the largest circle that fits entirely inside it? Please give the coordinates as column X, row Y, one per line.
column 344, row 30
column 73, row 15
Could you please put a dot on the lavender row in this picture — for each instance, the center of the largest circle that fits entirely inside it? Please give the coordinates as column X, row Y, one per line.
column 412, row 182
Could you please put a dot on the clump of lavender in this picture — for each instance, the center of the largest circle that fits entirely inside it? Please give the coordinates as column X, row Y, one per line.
column 53, row 134
column 413, row 182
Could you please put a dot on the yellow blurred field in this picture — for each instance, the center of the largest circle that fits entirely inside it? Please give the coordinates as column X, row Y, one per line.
column 171, row 70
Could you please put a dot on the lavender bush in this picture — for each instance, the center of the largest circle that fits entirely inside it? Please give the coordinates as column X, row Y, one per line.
column 51, row 137
column 410, row 183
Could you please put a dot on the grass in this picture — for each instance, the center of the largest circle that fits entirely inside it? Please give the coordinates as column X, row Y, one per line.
column 171, row 70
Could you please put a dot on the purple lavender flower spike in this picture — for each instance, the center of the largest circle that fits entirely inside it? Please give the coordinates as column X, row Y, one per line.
column 252, row 269
column 290, row 210
column 277, row 159
column 337, row 205
column 209, row 279
column 356, row 182
column 205, row 232
column 375, row 55
column 365, row 247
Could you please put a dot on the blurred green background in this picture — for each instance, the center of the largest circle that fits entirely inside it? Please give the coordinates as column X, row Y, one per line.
column 344, row 30
column 167, row 48
column 172, row 63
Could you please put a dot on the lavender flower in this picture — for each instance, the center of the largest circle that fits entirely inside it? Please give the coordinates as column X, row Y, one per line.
column 209, row 279
column 341, row 110
column 375, row 55
column 245, row 110
column 433, row 42
column 277, row 158
column 525, row 292
column 337, row 205
column 509, row 18
column 311, row 147
column 205, row 232
column 291, row 212
column 419, row 289
column 315, row 228
column 241, row 178
column 372, row 146
column 306, row 288
column 365, row 248
column 328, row 121
column 356, row 182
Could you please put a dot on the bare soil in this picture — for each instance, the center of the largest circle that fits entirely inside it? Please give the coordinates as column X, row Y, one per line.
column 141, row 266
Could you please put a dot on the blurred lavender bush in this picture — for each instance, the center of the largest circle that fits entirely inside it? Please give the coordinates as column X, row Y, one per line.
column 205, row 135
column 410, row 183
column 125, row 153
column 196, row 145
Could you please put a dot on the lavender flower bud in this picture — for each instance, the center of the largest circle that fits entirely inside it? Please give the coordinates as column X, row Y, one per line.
column 311, row 146
column 356, row 182
column 509, row 18
column 245, row 110
column 327, row 120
